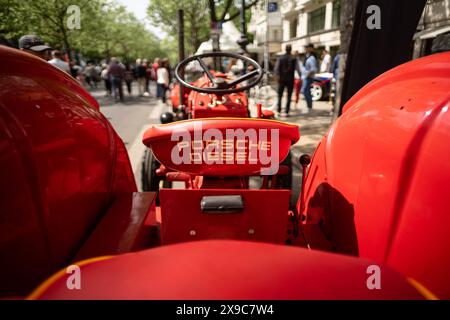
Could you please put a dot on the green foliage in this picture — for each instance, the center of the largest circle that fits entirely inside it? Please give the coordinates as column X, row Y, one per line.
column 198, row 15
column 196, row 19
column 107, row 29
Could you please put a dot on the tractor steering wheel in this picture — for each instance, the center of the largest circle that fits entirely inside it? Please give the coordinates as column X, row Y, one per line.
column 221, row 86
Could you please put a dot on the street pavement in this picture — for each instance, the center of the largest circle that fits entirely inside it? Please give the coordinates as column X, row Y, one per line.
column 132, row 117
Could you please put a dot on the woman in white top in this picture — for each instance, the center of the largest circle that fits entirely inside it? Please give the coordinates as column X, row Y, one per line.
column 163, row 79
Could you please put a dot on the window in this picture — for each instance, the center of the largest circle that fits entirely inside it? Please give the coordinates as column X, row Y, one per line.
column 316, row 20
column 275, row 35
column 272, row 7
column 336, row 19
column 293, row 28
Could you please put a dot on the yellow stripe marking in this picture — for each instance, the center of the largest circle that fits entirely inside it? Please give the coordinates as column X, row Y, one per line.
column 40, row 290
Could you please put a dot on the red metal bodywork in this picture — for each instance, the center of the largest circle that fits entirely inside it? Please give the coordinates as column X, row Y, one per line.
column 228, row 270
column 253, row 224
column 163, row 141
column 378, row 184
column 61, row 164
column 203, row 105
column 377, row 188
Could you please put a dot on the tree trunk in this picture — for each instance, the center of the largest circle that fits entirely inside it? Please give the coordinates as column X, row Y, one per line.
column 348, row 8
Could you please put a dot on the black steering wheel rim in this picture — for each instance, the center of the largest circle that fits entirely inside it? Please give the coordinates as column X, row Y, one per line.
column 228, row 87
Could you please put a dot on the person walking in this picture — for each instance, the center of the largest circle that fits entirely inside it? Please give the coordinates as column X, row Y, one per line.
column 105, row 76
column 163, row 80
column 90, row 75
column 325, row 65
column 309, row 70
column 297, row 79
column 128, row 76
column 155, row 67
column 58, row 63
column 116, row 73
column 285, row 68
column 140, row 74
column 148, row 77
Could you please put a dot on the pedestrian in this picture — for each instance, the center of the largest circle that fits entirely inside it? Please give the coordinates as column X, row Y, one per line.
column 58, row 63
column 34, row 45
column 155, row 67
column 297, row 78
column 335, row 71
column 163, row 79
column 105, row 76
column 285, row 68
column 148, row 77
column 128, row 77
column 325, row 65
column 140, row 74
column 309, row 70
column 335, row 67
column 116, row 73
column 90, row 75
column 76, row 71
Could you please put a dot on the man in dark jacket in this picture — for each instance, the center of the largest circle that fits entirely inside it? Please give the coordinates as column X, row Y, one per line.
column 284, row 71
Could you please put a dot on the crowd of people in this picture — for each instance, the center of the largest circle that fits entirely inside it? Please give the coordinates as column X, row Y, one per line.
column 295, row 74
column 114, row 74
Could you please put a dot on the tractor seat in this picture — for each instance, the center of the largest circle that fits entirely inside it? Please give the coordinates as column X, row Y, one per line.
column 222, row 146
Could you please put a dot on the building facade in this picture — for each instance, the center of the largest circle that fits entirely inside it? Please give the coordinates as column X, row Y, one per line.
column 435, row 21
column 266, row 25
column 311, row 21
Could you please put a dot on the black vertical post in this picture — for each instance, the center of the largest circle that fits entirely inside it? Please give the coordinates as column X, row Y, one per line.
column 181, row 56
column 243, row 24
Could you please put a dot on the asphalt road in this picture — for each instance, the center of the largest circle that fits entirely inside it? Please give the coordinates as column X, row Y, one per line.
column 132, row 117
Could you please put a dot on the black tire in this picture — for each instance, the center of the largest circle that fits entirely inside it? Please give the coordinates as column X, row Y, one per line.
column 150, row 181
column 285, row 181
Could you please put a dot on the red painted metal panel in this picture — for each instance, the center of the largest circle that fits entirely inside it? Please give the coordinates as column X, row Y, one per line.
column 264, row 218
column 62, row 164
column 276, row 136
column 379, row 180
column 228, row 270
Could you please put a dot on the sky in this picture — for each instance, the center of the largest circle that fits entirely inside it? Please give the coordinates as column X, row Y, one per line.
column 139, row 8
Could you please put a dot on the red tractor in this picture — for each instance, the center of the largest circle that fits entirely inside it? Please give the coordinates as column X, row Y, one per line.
column 375, row 199
column 214, row 94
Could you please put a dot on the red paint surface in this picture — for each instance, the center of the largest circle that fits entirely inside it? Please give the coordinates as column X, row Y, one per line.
column 159, row 139
column 268, row 225
column 61, row 163
column 380, row 178
column 230, row 270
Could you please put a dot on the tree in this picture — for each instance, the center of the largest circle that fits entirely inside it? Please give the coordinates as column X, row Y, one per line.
column 199, row 16
column 107, row 29
column 164, row 14
column 46, row 18
column 347, row 13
